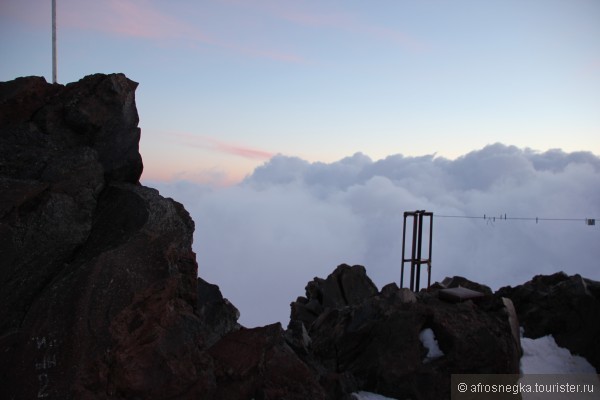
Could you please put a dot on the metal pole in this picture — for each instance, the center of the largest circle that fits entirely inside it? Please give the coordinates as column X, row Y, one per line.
column 413, row 253
column 403, row 245
column 430, row 250
column 53, row 41
column 419, row 247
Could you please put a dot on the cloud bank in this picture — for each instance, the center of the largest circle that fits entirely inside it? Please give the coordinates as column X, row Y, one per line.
column 262, row 240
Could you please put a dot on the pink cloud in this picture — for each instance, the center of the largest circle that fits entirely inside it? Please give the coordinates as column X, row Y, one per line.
column 207, row 175
column 342, row 21
column 209, row 143
column 141, row 19
column 135, row 18
column 594, row 65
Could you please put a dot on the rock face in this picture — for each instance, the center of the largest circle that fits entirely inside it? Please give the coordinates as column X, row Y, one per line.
column 98, row 281
column 375, row 339
column 219, row 316
column 345, row 286
column 566, row 307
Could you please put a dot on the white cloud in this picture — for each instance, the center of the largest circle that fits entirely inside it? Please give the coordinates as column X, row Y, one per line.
column 261, row 241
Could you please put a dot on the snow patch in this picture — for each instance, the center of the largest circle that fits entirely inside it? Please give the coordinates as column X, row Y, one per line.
column 370, row 396
column 544, row 356
column 428, row 339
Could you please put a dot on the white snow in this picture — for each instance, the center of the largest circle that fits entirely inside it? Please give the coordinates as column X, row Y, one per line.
column 370, row 396
column 428, row 339
column 544, row 356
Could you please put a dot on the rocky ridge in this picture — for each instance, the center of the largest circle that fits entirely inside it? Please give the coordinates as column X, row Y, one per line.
column 566, row 307
column 101, row 297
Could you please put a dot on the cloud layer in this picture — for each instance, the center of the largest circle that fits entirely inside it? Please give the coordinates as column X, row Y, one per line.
column 262, row 240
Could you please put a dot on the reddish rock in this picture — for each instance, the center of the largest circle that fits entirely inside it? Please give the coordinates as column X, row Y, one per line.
column 98, row 280
column 258, row 364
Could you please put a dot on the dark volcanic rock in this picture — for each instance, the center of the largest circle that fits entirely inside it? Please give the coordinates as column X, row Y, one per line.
column 42, row 124
column 218, row 314
column 459, row 281
column 346, row 285
column 376, row 339
column 566, row 307
column 98, row 281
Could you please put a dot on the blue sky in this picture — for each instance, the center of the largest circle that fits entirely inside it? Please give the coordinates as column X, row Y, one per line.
column 224, row 85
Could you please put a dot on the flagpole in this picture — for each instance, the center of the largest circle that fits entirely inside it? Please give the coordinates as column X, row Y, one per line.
column 53, row 41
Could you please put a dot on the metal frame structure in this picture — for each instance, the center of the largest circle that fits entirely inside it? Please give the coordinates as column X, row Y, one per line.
column 416, row 259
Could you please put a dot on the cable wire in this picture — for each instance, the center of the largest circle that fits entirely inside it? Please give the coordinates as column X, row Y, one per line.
column 505, row 217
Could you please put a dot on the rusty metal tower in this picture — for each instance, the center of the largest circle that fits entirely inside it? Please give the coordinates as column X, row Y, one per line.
column 416, row 259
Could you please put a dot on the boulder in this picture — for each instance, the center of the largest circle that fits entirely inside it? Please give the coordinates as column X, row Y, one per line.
column 219, row 316
column 395, row 294
column 345, row 286
column 566, row 307
column 43, row 123
column 459, row 281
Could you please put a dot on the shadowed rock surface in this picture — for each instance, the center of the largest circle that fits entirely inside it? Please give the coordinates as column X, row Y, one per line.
column 566, row 307
column 375, row 338
column 218, row 314
column 98, row 278
column 345, row 286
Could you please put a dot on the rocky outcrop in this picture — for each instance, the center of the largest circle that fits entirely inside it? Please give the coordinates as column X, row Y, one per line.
column 98, row 281
column 566, row 307
column 345, row 286
column 375, row 339
column 218, row 315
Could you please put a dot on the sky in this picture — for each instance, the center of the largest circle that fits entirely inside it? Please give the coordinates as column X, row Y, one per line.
column 224, row 85
column 297, row 132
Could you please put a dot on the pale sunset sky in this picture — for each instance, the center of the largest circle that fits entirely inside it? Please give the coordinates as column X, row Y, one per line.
column 225, row 85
